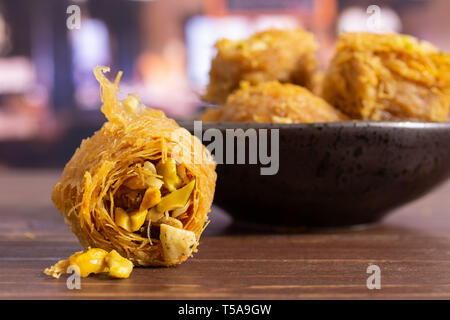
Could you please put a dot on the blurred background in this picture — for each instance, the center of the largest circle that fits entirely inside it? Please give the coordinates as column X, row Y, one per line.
column 49, row 98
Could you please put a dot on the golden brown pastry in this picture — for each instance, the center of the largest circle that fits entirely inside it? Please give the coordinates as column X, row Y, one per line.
column 273, row 102
column 283, row 55
column 388, row 77
column 141, row 185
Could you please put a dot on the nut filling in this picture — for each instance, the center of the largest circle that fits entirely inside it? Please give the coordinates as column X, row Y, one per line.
column 157, row 193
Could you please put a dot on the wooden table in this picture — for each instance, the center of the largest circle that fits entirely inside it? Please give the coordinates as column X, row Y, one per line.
column 411, row 247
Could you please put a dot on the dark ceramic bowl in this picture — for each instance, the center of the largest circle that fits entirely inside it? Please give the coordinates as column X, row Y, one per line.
column 335, row 174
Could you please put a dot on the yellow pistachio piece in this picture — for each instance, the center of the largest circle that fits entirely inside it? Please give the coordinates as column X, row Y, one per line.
column 153, row 182
column 149, row 168
column 122, row 219
column 151, row 198
column 171, row 222
column 134, row 183
column 176, row 199
column 137, row 219
column 168, row 170
column 119, row 267
column 179, row 211
column 91, row 261
column 154, row 215
column 139, row 182
column 181, row 172
column 57, row 269
column 95, row 261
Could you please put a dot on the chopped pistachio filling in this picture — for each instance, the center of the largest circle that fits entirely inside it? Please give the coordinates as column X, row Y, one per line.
column 168, row 170
column 94, row 261
column 158, row 194
column 176, row 199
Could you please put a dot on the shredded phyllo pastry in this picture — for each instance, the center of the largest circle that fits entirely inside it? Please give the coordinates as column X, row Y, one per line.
column 140, row 188
column 283, row 55
column 273, row 102
column 388, row 77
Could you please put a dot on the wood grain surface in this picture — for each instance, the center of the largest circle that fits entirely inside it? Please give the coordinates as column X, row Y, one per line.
column 411, row 246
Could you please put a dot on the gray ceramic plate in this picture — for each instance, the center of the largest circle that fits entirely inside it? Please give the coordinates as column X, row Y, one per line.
column 335, row 174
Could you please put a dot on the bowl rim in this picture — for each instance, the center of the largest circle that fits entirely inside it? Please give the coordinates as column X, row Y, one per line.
column 336, row 124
